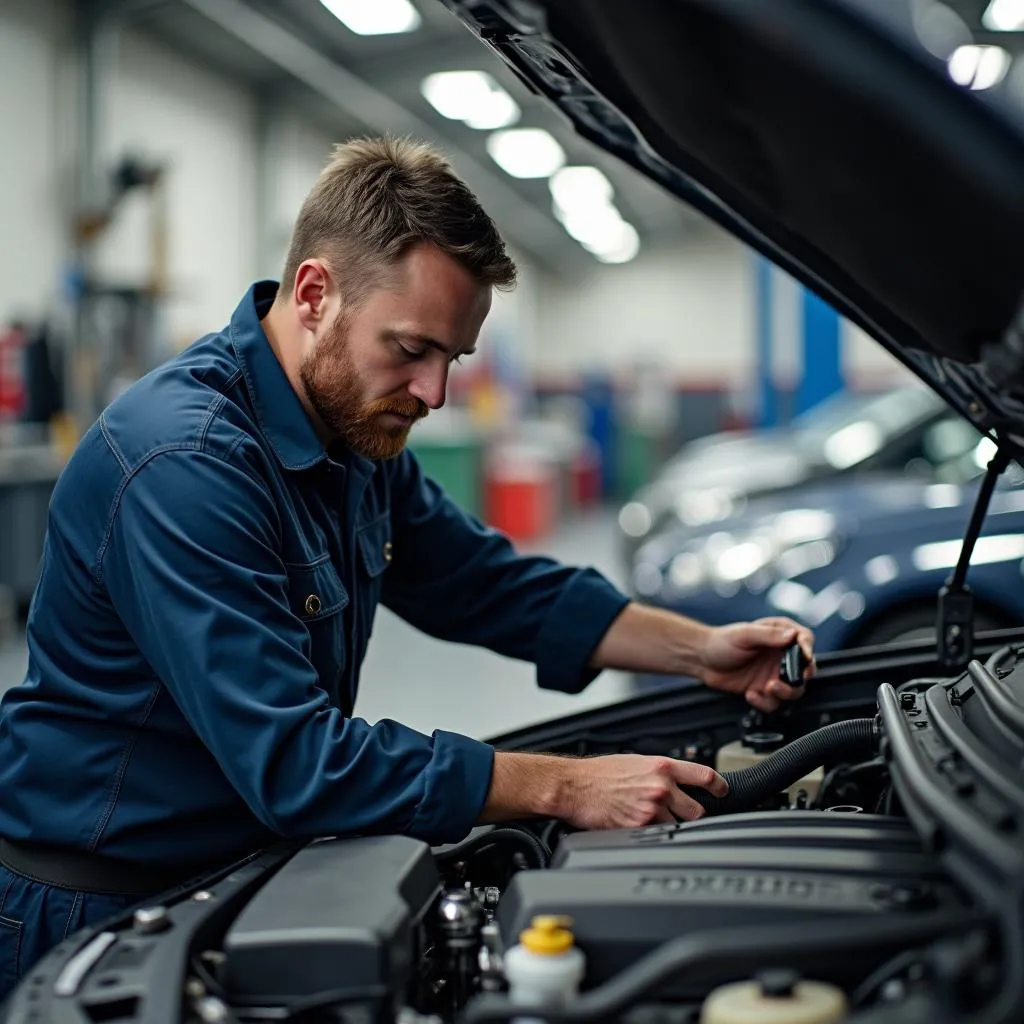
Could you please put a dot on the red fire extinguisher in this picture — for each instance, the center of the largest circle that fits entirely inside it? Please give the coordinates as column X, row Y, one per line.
column 12, row 373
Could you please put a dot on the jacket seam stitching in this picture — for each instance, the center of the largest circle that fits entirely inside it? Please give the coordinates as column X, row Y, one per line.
column 315, row 564
column 122, row 769
column 233, row 447
column 75, row 903
column 3, row 899
column 211, row 414
column 117, row 453
column 115, row 505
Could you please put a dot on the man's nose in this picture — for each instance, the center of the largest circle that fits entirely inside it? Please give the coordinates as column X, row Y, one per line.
column 429, row 385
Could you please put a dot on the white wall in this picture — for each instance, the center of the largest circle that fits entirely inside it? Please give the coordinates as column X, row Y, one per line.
column 156, row 104
column 691, row 308
column 34, row 171
column 202, row 127
column 297, row 153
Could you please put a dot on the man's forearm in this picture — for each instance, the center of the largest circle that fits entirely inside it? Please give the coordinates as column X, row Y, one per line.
column 644, row 639
column 528, row 785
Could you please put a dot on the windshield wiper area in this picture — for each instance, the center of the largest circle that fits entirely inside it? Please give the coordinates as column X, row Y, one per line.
column 955, row 626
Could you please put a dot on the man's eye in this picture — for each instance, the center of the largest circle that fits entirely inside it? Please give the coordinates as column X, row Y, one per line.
column 411, row 353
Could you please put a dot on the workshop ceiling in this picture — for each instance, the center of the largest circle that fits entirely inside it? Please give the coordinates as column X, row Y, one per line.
column 297, row 51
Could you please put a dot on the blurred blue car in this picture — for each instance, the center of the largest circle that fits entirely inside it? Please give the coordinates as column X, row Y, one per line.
column 860, row 560
column 849, row 434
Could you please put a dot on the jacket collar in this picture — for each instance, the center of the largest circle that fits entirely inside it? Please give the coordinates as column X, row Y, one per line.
column 278, row 410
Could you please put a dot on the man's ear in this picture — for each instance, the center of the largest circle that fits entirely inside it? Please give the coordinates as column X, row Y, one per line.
column 312, row 286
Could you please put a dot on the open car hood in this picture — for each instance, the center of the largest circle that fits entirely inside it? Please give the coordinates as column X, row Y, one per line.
column 824, row 135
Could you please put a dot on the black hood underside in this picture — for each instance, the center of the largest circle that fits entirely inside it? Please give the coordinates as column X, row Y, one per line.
column 828, row 141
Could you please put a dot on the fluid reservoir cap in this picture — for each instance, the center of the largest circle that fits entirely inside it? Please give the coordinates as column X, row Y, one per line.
column 778, row 983
column 749, row 1002
column 764, row 742
column 548, row 935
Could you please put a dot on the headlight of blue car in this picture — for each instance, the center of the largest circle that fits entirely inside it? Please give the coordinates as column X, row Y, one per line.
column 776, row 548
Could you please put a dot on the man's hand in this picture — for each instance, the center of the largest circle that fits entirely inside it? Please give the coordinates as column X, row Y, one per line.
column 630, row 790
column 744, row 658
column 615, row 791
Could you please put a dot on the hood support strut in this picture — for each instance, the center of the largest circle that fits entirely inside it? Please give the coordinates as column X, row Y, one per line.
column 955, row 630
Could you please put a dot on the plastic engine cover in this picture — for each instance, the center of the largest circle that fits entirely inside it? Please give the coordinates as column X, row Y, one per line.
column 338, row 917
column 628, row 892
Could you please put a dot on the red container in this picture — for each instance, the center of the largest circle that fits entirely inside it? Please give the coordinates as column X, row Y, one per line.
column 521, row 499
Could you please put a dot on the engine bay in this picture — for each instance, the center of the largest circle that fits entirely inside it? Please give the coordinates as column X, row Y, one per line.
column 872, row 871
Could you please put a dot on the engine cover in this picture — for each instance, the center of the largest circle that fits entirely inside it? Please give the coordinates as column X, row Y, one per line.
column 630, row 891
column 338, row 917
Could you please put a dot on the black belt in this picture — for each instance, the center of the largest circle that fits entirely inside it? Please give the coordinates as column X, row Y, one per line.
column 83, row 871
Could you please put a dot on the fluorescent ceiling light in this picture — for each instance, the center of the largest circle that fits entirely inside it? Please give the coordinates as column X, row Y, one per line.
column 979, row 67
column 598, row 226
column 470, row 96
column 1004, row 16
column 375, row 17
column 601, row 231
column 526, row 152
column 575, row 188
column 621, row 249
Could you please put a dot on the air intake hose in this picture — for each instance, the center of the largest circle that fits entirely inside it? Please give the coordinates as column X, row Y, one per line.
column 849, row 740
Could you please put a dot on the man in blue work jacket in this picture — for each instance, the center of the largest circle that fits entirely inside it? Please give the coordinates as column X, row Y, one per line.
column 217, row 547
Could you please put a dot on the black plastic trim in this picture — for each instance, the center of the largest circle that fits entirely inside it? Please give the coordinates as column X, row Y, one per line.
column 997, row 697
column 990, row 770
column 946, row 820
column 156, row 985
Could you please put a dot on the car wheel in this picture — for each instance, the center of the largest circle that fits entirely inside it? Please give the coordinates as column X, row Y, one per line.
column 916, row 624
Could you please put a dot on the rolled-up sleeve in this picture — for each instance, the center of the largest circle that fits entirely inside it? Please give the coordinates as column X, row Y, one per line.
column 458, row 580
column 192, row 564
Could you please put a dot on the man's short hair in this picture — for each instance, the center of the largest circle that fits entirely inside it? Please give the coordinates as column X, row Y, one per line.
column 379, row 197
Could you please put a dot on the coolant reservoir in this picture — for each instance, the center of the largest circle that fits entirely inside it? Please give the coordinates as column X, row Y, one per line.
column 776, row 997
column 756, row 747
column 546, row 967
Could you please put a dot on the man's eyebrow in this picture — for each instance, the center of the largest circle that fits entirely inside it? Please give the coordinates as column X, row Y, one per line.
column 424, row 339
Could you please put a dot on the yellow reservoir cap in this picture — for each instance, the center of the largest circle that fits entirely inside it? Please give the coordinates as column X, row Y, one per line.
column 548, row 935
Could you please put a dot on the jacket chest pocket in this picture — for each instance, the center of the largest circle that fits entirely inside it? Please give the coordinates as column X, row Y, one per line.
column 317, row 597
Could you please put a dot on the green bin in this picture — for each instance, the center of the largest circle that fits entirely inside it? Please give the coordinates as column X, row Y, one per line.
column 456, row 464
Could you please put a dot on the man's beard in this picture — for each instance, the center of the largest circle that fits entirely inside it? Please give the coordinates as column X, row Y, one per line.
column 329, row 376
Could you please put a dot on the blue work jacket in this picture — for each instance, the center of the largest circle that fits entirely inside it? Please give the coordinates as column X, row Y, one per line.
column 206, row 595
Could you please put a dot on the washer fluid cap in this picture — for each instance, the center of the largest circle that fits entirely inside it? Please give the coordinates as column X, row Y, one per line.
column 764, row 742
column 548, row 935
column 778, row 982
column 748, row 1002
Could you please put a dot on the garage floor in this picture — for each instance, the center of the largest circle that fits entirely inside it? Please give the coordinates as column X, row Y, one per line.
column 432, row 685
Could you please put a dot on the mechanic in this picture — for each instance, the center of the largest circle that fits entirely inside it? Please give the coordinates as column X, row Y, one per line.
column 217, row 546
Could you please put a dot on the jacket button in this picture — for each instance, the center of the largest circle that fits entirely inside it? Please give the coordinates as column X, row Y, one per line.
column 387, row 551
column 312, row 604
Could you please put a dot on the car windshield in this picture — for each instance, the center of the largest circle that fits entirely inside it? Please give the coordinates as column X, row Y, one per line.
column 849, row 432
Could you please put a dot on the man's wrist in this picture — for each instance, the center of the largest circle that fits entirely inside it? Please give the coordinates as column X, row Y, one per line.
column 530, row 785
column 646, row 639
column 695, row 648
